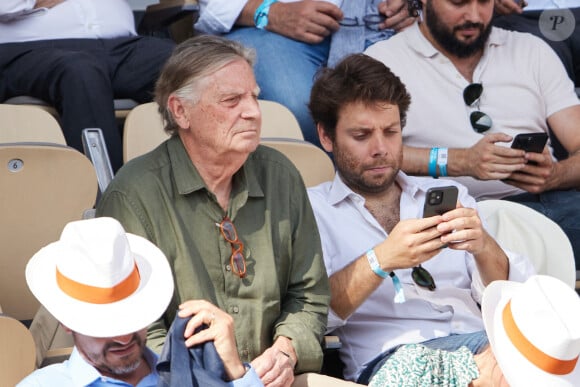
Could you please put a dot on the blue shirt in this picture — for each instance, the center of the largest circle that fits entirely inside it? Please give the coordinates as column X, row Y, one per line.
column 76, row 372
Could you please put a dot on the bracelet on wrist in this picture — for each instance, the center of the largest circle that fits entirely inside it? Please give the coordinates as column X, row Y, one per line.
column 433, row 162
column 261, row 14
column 376, row 268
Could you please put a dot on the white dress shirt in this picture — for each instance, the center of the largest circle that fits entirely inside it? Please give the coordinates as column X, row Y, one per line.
column 348, row 230
column 71, row 19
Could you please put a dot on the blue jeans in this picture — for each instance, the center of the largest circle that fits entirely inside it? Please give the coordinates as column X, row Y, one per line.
column 562, row 207
column 475, row 342
column 285, row 70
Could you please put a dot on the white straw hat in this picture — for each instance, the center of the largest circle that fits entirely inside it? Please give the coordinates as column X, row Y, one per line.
column 100, row 281
column 534, row 331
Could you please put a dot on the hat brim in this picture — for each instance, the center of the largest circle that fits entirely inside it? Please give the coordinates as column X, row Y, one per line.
column 129, row 315
column 517, row 370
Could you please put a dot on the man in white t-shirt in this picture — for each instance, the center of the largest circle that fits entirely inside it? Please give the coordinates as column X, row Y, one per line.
column 474, row 87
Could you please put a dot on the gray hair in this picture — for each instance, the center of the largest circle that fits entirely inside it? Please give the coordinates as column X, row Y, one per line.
column 190, row 64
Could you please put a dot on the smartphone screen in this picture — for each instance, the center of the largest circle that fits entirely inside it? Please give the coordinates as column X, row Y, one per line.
column 440, row 200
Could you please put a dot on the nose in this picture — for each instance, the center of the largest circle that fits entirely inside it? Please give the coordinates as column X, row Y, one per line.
column 251, row 108
column 473, row 12
column 378, row 145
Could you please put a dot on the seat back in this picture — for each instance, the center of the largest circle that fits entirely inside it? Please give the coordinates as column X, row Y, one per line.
column 122, row 106
column 17, row 352
column 44, row 186
column 143, row 129
column 313, row 163
column 279, row 121
column 21, row 123
column 523, row 230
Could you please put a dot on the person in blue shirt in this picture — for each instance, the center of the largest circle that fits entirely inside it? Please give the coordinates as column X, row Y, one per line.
column 106, row 286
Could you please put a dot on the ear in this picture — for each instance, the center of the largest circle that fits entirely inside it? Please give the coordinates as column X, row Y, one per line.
column 325, row 141
column 179, row 111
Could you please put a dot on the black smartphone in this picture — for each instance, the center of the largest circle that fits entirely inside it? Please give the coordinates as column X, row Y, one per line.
column 439, row 200
column 530, row 142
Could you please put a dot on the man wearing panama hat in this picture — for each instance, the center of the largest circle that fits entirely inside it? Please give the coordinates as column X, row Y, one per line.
column 106, row 286
column 534, row 331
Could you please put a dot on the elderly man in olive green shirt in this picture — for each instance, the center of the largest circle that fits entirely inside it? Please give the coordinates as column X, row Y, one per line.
column 232, row 217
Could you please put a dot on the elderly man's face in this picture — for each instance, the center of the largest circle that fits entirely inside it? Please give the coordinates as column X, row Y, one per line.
column 117, row 357
column 227, row 116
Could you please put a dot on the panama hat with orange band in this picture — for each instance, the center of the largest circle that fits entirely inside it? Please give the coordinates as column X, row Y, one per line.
column 534, row 331
column 99, row 280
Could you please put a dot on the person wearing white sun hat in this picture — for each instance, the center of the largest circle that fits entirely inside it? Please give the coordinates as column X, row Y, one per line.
column 106, row 286
column 534, row 331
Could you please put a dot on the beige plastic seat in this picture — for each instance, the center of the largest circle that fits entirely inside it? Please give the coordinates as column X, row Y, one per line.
column 313, row 163
column 17, row 352
column 279, row 121
column 53, row 344
column 44, row 186
column 21, row 123
column 143, row 129
column 122, row 105
column 523, row 230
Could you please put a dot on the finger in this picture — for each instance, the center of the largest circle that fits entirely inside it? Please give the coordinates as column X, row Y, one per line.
column 391, row 7
column 204, row 317
column 280, row 374
column 492, row 138
column 201, row 336
column 326, row 22
column 263, row 363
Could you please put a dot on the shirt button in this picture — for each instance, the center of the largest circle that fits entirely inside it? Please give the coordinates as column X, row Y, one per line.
column 228, row 268
column 235, row 309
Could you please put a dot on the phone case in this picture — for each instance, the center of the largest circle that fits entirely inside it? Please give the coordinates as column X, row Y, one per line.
column 439, row 200
column 530, row 142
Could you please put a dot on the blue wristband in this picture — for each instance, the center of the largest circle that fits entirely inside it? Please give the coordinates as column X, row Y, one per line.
column 261, row 14
column 433, row 162
column 442, row 161
column 374, row 262
column 376, row 268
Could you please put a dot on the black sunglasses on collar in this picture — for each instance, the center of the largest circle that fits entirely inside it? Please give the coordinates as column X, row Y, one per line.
column 480, row 121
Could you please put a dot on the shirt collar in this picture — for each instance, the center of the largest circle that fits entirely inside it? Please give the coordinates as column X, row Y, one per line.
column 339, row 191
column 418, row 42
column 84, row 374
column 188, row 180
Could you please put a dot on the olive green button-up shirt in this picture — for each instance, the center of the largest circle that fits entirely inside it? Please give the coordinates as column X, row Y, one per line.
column 162, row 197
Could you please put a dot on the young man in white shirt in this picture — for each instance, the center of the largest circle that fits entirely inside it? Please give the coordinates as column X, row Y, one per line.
column 395, row 277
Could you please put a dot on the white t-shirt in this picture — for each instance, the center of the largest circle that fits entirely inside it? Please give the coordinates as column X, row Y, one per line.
column 524, row 83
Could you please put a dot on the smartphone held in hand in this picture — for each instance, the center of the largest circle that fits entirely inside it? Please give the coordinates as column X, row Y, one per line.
column 440, row 200
column 530, row 142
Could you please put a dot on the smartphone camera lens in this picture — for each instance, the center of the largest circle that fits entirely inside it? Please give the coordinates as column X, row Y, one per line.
column 435, row 197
